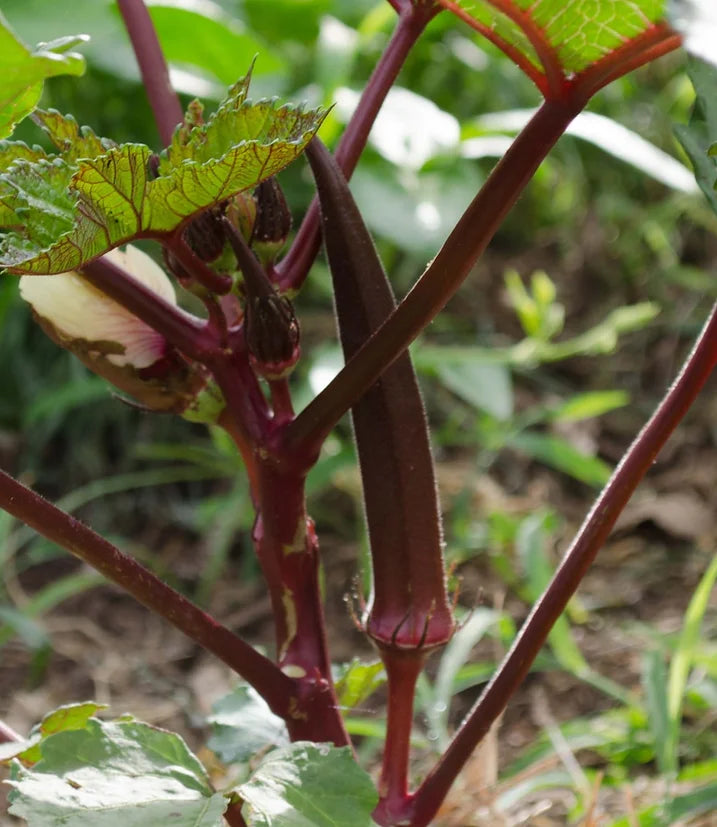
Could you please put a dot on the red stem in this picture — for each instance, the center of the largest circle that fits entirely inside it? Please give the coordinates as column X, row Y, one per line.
column 153, row 67
column 551, row 82
column 198, row 269
column 281, row 401
column 403, row 669
column 588, row 541
column 651, row 44
column 187, row 333
column 440, row 281
column 72, row 535
column 246, row 405
column 293, row 269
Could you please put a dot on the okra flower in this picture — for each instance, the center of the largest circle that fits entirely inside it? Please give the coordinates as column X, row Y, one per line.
column 113, row 342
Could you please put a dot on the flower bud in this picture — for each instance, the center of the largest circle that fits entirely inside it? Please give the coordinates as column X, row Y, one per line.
column 273, row 221
column 205, row 234
column 272, row 335
column 113, row 342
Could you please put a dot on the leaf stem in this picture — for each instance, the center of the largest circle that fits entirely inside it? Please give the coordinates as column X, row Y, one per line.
column 413, row 19
column 77, row 538
column 588, row 541
column 440, row 281
column 198, row 269
column 153, row 67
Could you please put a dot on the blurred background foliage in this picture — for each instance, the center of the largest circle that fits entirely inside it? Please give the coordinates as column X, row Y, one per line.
column 584, row 304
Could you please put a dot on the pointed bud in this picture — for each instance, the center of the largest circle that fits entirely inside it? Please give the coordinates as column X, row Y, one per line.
column 205, row 234
column 113, row 342
column 273, row 221
column 272, row 335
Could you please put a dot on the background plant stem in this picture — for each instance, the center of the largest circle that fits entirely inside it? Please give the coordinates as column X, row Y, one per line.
column 153, row 67
column 293, row 269
column 588, row 541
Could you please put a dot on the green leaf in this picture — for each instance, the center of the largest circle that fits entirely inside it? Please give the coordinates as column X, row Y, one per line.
column 487, row 387
column 560, row 454
column 701, row 132
column 24, row 70
column 357, row 681
column 72, row 211
column 242, row 725
column 309, row 785
column 106, row 774
column 589, row 404
column 684, row 655
column 63, row 719
column 454, row 657
column 570, row 35
column 654, row 682
column 72, row 141
column 204, row 35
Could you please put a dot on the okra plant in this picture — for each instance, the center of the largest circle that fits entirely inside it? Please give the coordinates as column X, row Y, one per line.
column 209, row 199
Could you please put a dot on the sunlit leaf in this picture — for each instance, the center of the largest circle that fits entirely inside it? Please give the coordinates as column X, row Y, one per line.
column 309, row 784
column 554, row 41
column 71, row 209
column 357, row 681
column 23, row 70
column 113, row 774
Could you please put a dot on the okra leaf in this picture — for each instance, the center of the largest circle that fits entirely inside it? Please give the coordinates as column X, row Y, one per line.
column 242, row 725
column 23, row 71
column 63, row 211
column 71, row 716
column 554, row 41
column 123, row 773
column 309, row 785
column 409, row 605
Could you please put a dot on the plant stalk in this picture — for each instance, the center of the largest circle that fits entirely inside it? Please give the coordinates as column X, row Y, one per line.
column 288, row 551
column 294, row 267
column 77, row 538
column 403, row 669
column 588, row 541
column 440, row 281
column 153, row 67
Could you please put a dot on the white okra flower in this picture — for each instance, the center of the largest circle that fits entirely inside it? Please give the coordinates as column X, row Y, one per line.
column 115, row 343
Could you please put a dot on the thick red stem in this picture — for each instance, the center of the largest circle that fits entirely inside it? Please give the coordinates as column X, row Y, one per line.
column 291, row 272
column 153, row 67
column 72, row 535
column 440, row 281
column 593, row 533
column 288, row 552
